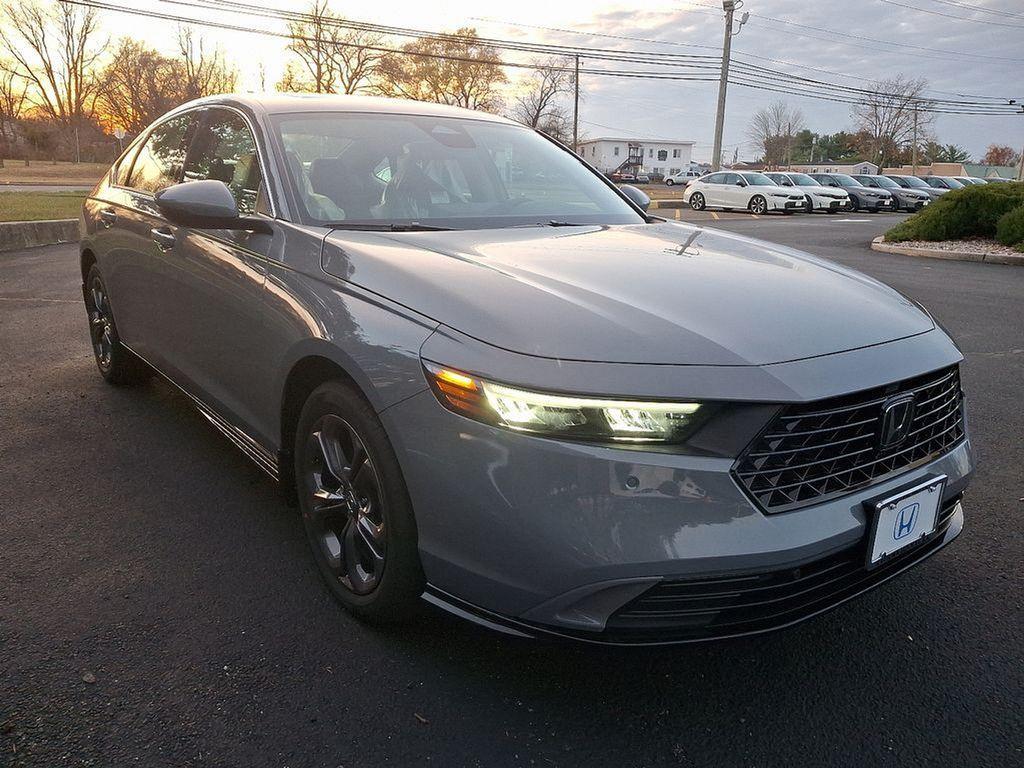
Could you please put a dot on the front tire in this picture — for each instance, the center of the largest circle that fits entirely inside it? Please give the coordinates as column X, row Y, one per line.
column 669, row 182
column 697, row 201
column 854, row 203
column 355, row 506
column 116, row 364
column 758, row 205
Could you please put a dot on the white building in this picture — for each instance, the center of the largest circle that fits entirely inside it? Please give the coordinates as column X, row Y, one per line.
column 635, row 155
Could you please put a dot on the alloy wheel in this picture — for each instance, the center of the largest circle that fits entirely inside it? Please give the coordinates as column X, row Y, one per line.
column 697, row 201
column 758, row 205
column 101, row 325
column 345, row 511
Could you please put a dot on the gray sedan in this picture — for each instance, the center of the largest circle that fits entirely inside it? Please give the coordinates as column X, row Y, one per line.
column 906, row 199
column 491, row 381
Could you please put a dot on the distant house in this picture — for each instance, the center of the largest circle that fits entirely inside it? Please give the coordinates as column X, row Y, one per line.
column 658, row 156
column 959, row 169
column 827, row 166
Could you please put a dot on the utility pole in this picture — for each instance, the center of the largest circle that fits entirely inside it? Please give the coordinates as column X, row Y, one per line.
column 730, row 7
column 914, row 148
column 814, row 140
column 576, row 109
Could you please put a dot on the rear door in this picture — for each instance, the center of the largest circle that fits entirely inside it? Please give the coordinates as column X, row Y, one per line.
column 713, row 185
column 137, row 278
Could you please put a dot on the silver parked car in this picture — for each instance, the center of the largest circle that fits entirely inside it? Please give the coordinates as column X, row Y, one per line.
column 492, row 382
column 915, row 184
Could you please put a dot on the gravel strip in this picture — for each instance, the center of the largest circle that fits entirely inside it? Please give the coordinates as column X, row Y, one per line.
column 979, row 245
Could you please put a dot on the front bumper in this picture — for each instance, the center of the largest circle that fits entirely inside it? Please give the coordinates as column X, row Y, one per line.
column 830, row 203
column 877, row 204
column 786, row 204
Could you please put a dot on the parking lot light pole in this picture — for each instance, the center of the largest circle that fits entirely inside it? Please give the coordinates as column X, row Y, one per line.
column 730, row 7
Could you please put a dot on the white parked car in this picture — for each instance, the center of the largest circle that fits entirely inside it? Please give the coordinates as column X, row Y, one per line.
column 817, row 197
column 683, row 177
column 750, row 191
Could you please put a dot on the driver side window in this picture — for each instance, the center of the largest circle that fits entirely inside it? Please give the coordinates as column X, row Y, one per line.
column 225, row 150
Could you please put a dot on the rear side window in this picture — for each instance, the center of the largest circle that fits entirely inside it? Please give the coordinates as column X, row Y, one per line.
column 159, row 162
column 715, row 178
column 225, row 150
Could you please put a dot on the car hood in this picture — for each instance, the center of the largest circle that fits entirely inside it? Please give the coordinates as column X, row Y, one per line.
column 648, row 293
column 823, row 191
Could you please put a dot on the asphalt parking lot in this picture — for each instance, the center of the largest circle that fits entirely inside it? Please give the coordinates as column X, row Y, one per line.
column 158, row 606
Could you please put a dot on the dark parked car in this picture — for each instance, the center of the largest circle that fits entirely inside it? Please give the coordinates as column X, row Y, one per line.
column 906, row 199
column 942, row 182
column 861, row 197
column 492, row 382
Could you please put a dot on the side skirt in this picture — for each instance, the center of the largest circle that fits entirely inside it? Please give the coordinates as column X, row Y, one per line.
column 246, row 443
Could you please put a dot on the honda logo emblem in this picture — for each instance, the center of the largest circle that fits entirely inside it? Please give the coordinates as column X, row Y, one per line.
column 906, row 519
column 897, row 417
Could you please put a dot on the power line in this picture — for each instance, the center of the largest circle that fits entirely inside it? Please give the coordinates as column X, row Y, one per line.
column 691, row 71
column 952, row 16
column 980, row 9
column 639, row 57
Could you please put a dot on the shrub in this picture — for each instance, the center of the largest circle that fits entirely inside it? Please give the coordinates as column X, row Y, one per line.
column 969, row 212
column 1010, row 227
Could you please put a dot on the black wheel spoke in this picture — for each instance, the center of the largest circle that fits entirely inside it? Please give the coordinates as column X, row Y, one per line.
column 345, row 510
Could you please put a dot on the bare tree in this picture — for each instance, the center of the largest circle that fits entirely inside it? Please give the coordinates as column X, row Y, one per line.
column 336, row 59
column 887, row 116
column 13, row 101
column 205, row 73
column 538, row 100
column 139, row 85
column 774, row 129
column 456, row 70
column 54, row 50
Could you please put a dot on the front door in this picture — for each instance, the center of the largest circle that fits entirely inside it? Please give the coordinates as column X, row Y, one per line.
column 219, row 277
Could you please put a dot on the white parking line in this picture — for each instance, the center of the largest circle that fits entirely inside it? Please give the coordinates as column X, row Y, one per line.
column 858, row 221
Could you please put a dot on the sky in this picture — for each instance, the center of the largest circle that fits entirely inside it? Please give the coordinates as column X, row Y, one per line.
column 973, row 47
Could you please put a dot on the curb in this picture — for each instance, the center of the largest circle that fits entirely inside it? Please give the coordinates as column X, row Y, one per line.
column 668, row 204
column 878, row 244
column 15, row 235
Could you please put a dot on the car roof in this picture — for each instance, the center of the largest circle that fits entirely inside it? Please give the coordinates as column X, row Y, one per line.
column 285, row 103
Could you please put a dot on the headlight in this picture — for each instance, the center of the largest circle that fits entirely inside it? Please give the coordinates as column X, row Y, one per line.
column 562, row 416
column 780, row 194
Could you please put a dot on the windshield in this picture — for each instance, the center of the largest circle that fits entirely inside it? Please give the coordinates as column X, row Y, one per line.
column 913, row 181
column 803, row 180
column 953, row 183
column 887, row 183
column 370, row 171
column 758, row 180
column 846, row 181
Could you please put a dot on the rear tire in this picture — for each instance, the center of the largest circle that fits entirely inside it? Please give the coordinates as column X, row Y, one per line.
column 116, row 363
column 669, row 182
column 355, row 507
column 697, row 201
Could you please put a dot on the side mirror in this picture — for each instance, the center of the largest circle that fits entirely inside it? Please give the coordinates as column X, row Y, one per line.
column 636, row 196
column 206, row 205
column 741, row 183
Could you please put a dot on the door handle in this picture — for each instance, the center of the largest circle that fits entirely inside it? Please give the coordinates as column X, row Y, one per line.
column 163, row 237
column 108, row 216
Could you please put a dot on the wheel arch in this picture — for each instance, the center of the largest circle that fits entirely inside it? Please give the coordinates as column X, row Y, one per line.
column 85, row 261
column 312, row 364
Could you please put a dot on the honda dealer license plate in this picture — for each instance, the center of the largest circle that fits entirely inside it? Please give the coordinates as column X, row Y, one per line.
column 904, row 518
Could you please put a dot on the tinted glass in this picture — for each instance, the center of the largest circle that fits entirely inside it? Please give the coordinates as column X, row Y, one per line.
column 159, row 162
column 384, row 169
column 803, row 180
column 912, row 181
column 884, row 182
column 225, row 150
column 758, row 180
column 931, row 181
column 952, row 183
column 714, row 178
column 845, row 181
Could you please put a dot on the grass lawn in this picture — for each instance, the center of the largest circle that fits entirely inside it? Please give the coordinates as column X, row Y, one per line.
column 39, row 206
column 48, row 172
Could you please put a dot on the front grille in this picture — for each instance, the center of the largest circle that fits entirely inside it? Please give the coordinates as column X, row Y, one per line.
column 734, row 605
column 831, row 447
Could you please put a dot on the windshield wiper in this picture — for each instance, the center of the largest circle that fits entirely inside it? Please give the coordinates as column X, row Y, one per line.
column 557, row 223
column 414, row 226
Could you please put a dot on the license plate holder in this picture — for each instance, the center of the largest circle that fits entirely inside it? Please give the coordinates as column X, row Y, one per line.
column 902, row 518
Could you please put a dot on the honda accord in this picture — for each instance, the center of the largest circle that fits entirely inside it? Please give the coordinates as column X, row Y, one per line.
column 490, row 380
